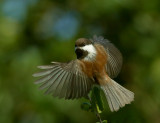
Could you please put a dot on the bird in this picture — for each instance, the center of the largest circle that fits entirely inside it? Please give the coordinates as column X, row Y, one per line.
column 98, row 62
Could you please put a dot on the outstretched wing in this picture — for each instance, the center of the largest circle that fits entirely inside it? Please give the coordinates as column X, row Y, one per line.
column 115, row 59
column 65, row 80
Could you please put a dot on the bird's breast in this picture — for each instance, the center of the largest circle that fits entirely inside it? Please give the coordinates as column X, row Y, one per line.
column 95, row 68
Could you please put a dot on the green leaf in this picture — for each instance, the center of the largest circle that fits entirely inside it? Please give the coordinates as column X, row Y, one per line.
column 97, row 99
column 93, row 100
column 99, row 111
column 86, row 106
column 104, row 121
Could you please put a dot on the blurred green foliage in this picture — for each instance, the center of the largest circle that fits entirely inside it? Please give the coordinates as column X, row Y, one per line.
column 35, row 32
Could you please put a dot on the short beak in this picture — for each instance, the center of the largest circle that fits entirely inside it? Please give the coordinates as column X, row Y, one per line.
column 77, row 50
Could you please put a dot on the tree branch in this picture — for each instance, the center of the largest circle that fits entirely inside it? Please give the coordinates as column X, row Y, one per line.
column 96, row 111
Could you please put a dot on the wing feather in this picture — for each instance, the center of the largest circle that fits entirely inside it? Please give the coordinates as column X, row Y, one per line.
column 45, row 78
column 43, row 73
column 63, row 88
column 46, row 67
column 65, row 80
column 60, row 86
column 48, row 84
column 59, row 83
column 54, row 80
column 114, row 62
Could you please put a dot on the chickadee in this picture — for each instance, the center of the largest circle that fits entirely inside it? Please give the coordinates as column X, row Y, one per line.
column 98, row 61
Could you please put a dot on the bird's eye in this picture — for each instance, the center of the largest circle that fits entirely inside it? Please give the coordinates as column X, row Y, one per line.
column 75, row 45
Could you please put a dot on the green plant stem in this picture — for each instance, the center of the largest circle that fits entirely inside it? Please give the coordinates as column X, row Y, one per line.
column 96, row 111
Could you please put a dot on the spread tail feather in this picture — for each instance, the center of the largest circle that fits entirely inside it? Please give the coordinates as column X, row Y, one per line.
column 117, row 96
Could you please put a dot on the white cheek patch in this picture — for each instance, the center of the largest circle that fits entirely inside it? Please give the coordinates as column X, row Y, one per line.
column 91, row 52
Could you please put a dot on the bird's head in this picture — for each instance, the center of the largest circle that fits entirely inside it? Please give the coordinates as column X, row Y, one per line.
column 85, row 49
